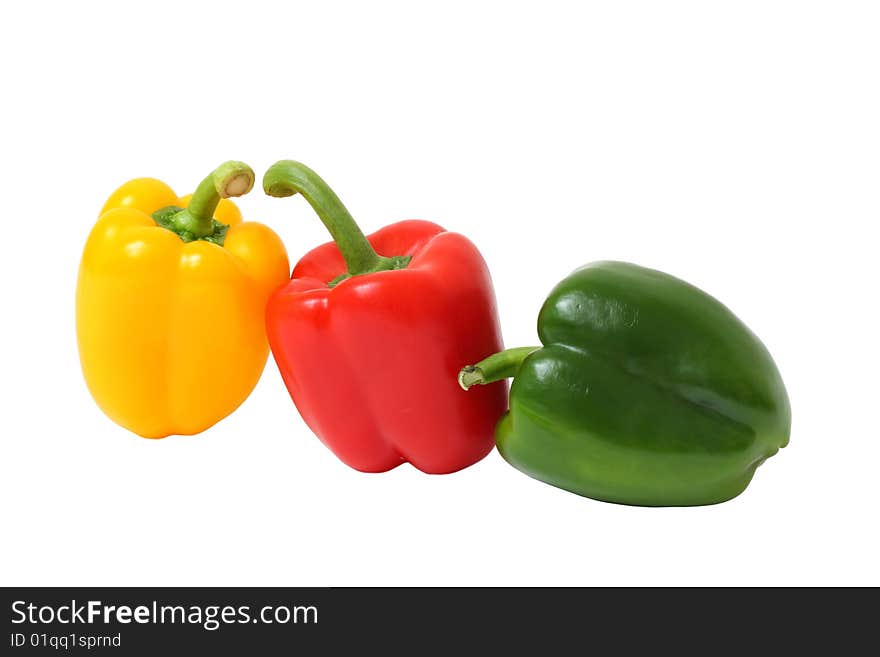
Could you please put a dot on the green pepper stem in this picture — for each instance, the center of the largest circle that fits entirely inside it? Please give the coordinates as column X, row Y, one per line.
column 502, row 365
column 286, row 178
column 230, row 179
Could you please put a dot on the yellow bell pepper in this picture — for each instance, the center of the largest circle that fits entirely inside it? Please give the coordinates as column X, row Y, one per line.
column 170, row 303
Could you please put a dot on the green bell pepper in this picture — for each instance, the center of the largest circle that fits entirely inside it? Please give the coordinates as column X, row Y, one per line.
column 647, row 391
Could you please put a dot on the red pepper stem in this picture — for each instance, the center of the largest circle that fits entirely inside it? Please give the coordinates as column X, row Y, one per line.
column 502, row 365
column 229, row 179
column 286, row 178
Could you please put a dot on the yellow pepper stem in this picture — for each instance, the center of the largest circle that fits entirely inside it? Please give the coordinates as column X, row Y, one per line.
column 230, row 179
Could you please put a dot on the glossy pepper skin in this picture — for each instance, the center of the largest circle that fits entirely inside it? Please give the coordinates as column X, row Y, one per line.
column 170, row 303
column 647, row 391
column 370, row 332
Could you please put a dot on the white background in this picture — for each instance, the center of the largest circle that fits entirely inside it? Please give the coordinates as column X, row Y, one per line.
column 734, row 144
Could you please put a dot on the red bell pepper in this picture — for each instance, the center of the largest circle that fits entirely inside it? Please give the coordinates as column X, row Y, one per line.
column 370, row 345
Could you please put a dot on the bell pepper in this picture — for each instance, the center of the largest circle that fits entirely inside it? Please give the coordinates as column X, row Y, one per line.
column 370, row 331
column 646, row 391
column 170, row 302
